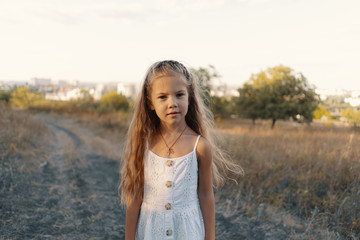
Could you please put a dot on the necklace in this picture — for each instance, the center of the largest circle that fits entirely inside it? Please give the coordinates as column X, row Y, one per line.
column 170, row 149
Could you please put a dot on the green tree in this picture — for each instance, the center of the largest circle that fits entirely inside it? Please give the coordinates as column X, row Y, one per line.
column 112, row 102
column 221, row 107
column 277, row 93
column 5, row 96
column 85, row 103
column 206, row 76
column 250, row 103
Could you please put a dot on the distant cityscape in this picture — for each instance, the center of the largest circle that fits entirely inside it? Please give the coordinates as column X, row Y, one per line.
column 65, row 90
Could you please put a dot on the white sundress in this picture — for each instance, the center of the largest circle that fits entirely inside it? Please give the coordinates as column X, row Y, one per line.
column 170, row 207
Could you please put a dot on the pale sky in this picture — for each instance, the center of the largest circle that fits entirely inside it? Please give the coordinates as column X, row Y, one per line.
column 116, row 40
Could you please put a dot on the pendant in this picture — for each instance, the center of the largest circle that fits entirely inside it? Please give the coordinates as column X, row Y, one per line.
column 171, row 151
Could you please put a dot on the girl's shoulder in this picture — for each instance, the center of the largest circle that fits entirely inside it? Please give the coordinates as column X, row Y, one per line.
column 204, row 150
column 202, row 144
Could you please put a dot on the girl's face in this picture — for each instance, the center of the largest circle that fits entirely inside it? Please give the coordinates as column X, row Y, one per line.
column 169, row 98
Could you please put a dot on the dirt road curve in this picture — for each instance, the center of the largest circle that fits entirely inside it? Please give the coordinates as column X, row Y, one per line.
column 75, row 194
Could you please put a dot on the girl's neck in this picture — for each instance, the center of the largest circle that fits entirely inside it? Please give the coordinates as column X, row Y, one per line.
column 172, row 129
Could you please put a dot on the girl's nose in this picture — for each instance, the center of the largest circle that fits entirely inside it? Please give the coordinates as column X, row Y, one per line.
column 172, row 102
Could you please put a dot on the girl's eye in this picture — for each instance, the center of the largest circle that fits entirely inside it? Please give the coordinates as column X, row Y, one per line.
column 179, row 94
column 162, row 97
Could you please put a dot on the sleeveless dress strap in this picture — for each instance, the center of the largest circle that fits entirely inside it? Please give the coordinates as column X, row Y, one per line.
column 197, row 141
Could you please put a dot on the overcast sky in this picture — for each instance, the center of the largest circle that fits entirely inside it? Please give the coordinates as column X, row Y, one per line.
column 116, row 40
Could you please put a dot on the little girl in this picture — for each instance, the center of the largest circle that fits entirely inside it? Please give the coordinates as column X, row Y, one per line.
column 171, row 161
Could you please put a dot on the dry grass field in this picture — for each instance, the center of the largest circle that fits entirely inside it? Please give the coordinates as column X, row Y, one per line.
column 59, row 176
column 21, row 135
column 312, row 172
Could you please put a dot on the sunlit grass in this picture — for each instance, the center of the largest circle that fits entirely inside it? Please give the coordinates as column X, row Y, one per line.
column 299, row 168
column 19, row 134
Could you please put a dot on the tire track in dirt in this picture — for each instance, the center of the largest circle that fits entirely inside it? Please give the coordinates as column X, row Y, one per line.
column 81, row 182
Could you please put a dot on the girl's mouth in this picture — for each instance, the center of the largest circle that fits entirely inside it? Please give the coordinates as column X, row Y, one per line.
column 172, row 114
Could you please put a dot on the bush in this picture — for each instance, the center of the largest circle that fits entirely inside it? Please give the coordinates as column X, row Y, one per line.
column 321, row 111
column 24, row 97
column 352, row 116
column 112, row 102
column 5, row 97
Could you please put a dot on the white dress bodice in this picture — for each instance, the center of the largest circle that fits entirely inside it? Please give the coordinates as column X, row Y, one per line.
column 170, row 208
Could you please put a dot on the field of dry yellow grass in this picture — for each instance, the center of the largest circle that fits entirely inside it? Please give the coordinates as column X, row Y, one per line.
column 21, row 135
column 311, row 171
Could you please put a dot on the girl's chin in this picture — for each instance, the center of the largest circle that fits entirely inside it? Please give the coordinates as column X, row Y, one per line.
column 173, row 120
column 174, row 115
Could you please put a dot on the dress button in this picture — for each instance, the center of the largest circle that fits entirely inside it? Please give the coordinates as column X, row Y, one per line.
column 168, row 184
column 168, row 206
column 168, row 232
column 169, row 163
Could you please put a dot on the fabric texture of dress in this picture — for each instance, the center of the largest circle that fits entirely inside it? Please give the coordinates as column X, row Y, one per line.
column 170, row 207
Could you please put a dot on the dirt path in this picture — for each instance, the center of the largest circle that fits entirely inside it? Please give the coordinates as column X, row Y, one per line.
column 75, row 194
column 84, row 190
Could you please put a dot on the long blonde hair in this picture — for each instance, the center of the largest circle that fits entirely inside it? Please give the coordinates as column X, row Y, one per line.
column 145, row 123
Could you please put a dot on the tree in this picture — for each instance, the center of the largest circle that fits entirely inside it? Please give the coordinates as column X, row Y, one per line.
column 277, row 93
column 5, row 96
column 352, row 116
column 85, row 103
column 112, row 102
column 24, row 97
column 205, row 76
column 220, row 106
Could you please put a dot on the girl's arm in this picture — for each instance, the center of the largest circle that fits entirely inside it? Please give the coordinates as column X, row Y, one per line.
column 132, row 215
column 206, row 194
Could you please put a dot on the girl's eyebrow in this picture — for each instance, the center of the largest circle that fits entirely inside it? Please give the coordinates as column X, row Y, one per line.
column 165, row 93
column 182, row 90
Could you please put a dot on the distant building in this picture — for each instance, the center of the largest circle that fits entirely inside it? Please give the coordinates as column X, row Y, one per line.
column 40, row 81
column 64, row 94
column 99, row 91
column 68, row 83
column 335, row 112
column 126, row 89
